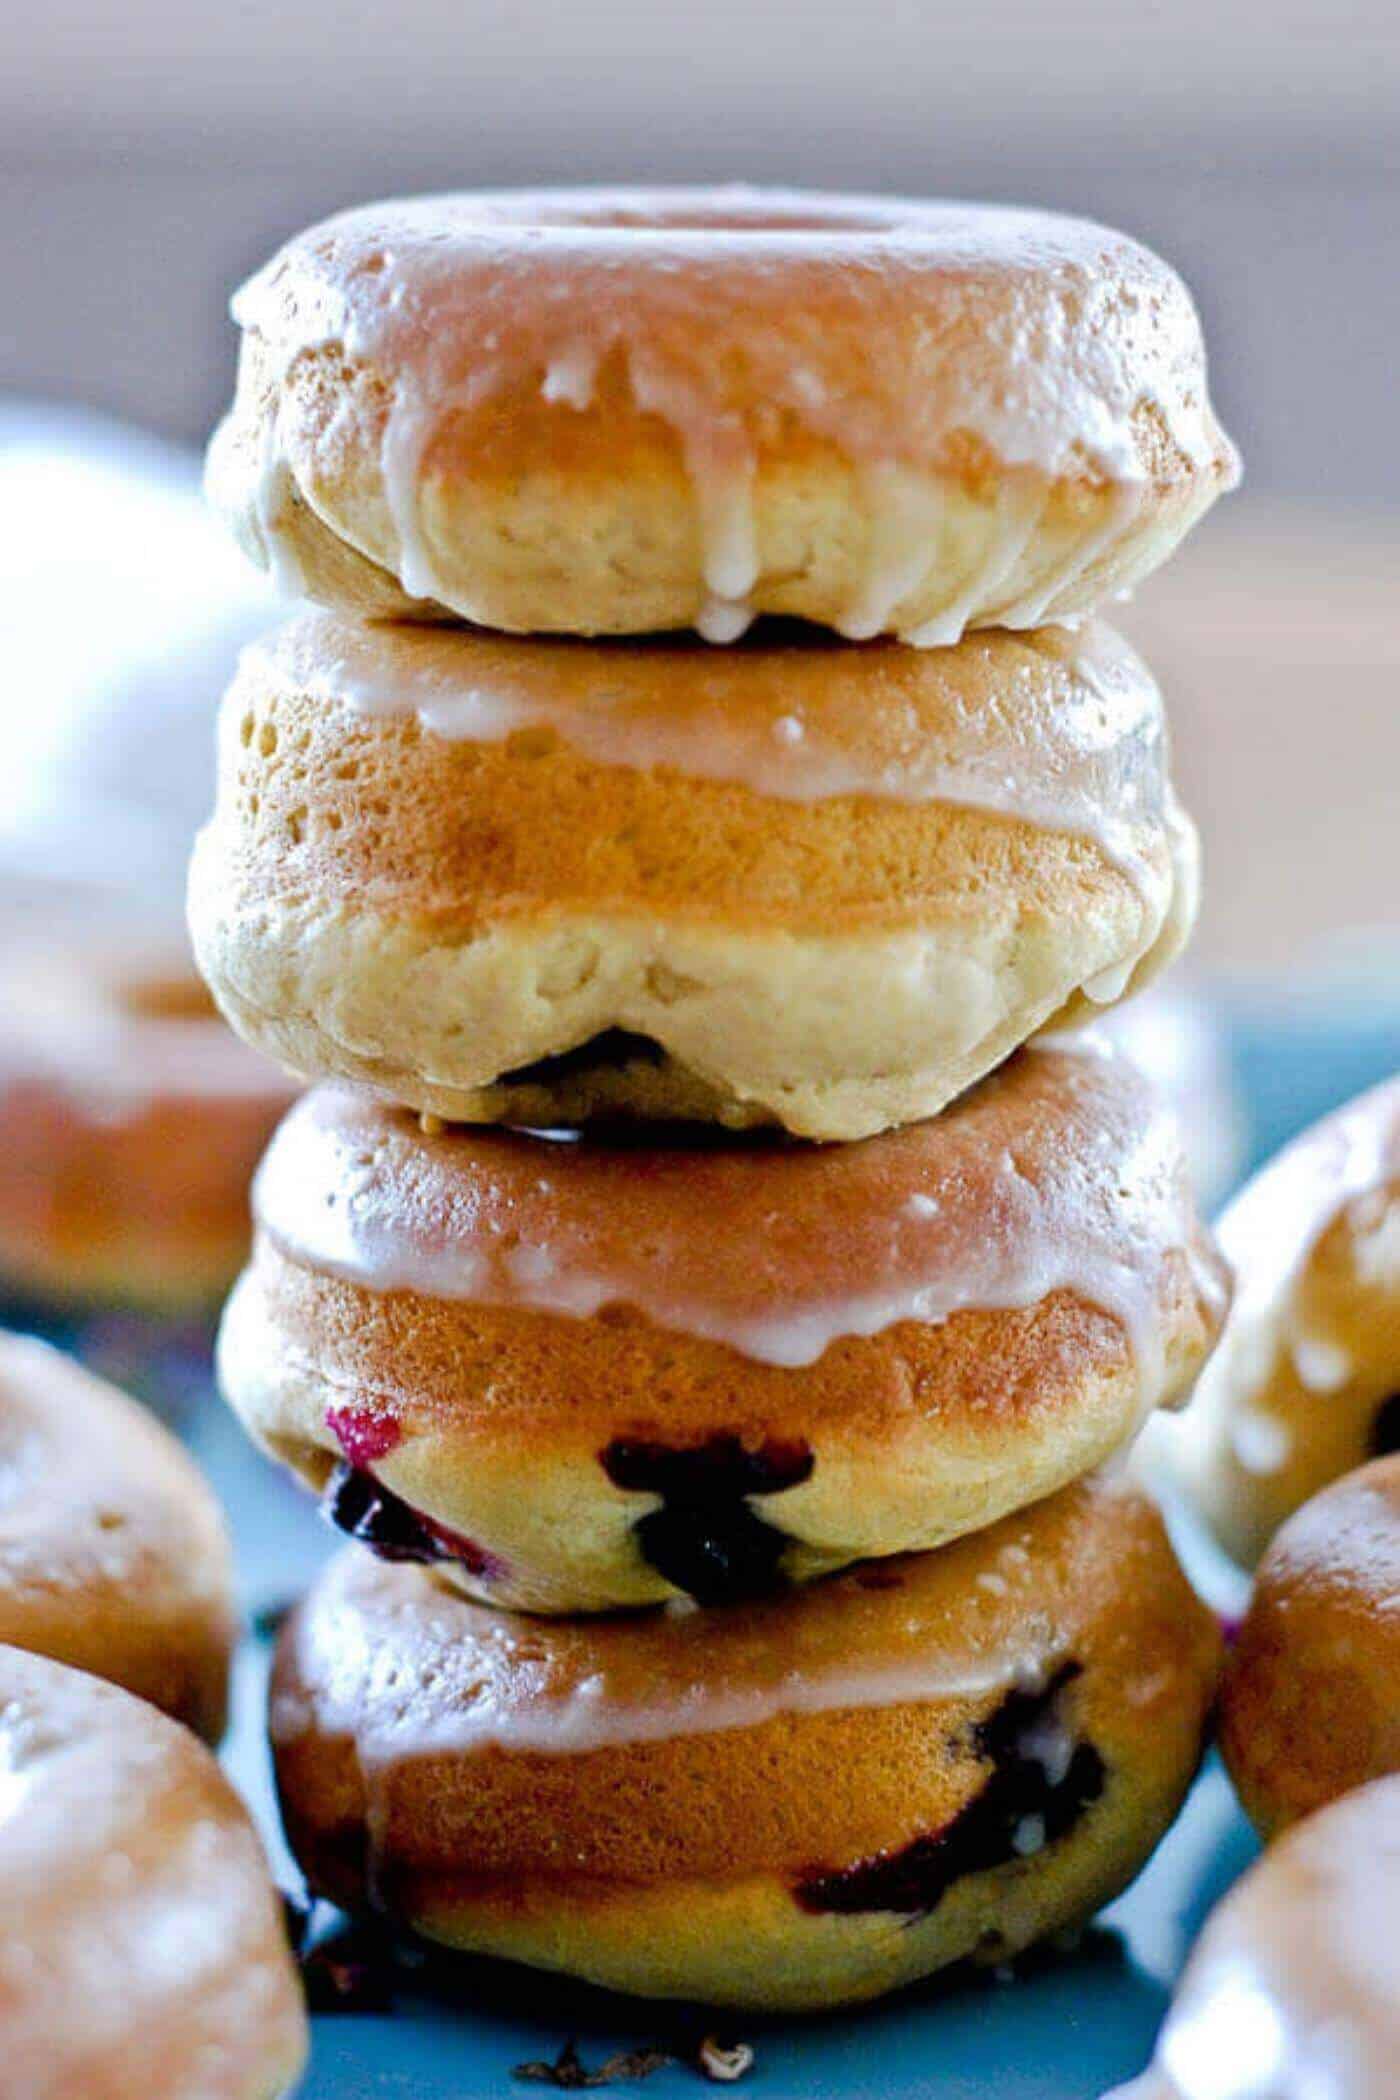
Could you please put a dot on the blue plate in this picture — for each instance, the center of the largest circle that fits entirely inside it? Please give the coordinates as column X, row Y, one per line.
column 1066, row 2028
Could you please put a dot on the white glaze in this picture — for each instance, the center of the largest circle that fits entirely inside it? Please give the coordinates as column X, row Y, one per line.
column 1087, row 755
column 1269, row 1234
column 1045, row 339
column 1293, row 1991
column 1063, row 1173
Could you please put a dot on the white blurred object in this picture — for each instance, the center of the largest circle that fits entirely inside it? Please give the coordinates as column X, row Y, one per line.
column 1171, row 1032
column 123, row 608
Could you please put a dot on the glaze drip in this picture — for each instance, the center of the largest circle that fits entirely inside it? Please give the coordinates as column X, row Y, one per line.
column 1062, row 1173
column 459, row 300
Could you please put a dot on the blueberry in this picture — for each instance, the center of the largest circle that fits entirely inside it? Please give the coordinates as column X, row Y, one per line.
column 705, row 1538
column 1027, row 1801
column 1385, row 1428
column 364, row 1509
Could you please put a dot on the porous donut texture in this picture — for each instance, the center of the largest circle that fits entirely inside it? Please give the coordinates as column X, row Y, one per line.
column 618, row 412
column 144, row 1950
column 114, row 1556
column 508, row 928
column 1305, row 1386
column 1311, row 1702
column 582, row 1376
column 130, row 1124
column 879, row 1821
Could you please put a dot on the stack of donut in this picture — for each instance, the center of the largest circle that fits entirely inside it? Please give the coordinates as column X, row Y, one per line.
column 701, row 1216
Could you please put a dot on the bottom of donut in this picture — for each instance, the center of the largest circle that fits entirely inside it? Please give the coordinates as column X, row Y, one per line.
column 785, row 1806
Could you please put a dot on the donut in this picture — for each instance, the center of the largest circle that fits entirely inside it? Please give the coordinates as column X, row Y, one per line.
column 1306, row 1383
column 1293, row 1991
column 788, row 1804
column 144, row 1951
column 820, row 886
column 623, row 411
column 575, row 1373
column 1311, row 1702
column 130, row 1124
column 113, row 1552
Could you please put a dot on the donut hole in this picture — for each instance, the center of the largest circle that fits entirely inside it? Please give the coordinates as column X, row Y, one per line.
column 716, row 215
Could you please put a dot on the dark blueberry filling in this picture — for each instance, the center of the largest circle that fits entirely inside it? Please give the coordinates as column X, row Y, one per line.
column 364, row 1509
column 613, row 1048
column 1028, row 1800
column 705, row 1538
column 1385, row 1428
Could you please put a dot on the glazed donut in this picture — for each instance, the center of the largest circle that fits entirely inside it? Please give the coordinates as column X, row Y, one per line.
column 1306, row 1383
column 144, row 1952
column 130, row 1124
column 787, row 1805
column 822, row 886
column 113, row 1552
column 580, row 1374
column 623, row 411
column 1293, row 1991
column 1311, row 1702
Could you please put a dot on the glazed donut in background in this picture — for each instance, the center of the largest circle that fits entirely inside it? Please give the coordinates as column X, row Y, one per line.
column 113, row 1552
column 130, row 1124
column 578, row 1374
column 623, row 411
column 942, row 1756
column 1293, row 1991
column 814, row 885
column 1311, row 1701
column 1306, row 1383
column 144, row 1951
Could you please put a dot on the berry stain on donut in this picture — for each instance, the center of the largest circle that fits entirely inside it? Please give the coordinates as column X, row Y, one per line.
column 705, row 1538
column 1385, row 1428
column 364, row 1509
column 1041, row 1782
column 364, row 1434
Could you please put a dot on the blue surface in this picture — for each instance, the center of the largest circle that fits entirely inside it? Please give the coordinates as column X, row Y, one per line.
column 1067, row 2028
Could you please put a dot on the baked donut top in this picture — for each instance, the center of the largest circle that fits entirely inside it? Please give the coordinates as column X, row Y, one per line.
column 1062, row 730
column 1294, row 1988
column 94, row 1490
column 1342, row 1547
column 1061, row 1172
column 144, row 1948
column 408, row 1668
column 1047, row 341
column 1343, row 1175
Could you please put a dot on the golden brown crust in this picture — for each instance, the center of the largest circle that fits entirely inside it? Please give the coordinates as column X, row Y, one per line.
column 145, row 1951
column 464, row 1838
column 1311, row 1700
column 113, row 1553
column 435, row 913
column 871, row 413
column 1306, row 1384
column 797, row 1323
